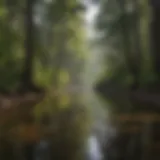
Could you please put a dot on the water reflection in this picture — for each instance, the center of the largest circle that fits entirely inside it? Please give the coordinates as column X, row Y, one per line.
column 75, row 131
column 43, row 150
column 93, row 150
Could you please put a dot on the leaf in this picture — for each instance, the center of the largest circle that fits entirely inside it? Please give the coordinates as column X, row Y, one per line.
column 64, row 101
column 63, row 77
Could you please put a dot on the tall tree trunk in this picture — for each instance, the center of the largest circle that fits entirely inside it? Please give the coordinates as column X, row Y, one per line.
column 27, row 76
column 155, row 34
column 137, row 42
column 126, row 32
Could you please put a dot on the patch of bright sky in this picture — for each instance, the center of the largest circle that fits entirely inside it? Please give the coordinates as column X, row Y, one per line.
column 91, row 13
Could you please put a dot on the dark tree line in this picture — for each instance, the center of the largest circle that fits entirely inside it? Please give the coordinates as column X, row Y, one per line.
column 121, row 22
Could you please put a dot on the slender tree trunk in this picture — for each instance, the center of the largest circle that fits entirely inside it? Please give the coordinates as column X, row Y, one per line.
column 137, row 43
column 128, row 53
column 29, row 46
column 133, row 58
column 155, row 34
column 137, row 38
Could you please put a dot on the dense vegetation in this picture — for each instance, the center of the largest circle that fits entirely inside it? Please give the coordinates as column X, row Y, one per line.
column 36, row 37
column 40, row 42
column 130, row 43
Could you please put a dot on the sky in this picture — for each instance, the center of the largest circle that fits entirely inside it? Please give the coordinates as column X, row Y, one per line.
column 91, row 12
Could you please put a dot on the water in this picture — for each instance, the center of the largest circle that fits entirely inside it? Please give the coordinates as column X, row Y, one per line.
column 88, row 129
column 42, row 150
column 89, row 137
column 93, row 149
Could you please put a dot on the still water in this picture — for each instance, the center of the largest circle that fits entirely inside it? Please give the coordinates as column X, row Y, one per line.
column 82, row 126
column 74, row 129
column 85, row 127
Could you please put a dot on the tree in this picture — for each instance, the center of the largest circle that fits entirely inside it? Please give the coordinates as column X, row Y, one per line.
column 155, row 34
column 122, row 23
column 27, row 77
column 33, row 23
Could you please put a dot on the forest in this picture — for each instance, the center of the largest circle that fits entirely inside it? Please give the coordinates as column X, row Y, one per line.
column 131, row 38
column 130, row 42
column 40, row 42
column 50, row 67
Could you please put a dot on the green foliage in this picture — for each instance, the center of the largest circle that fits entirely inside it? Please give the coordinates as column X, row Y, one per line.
column 58, row 35
column 125, row 41
column 58, row 45
column 10, row 61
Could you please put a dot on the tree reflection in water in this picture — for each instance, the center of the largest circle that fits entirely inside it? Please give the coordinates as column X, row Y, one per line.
column 42, row 151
